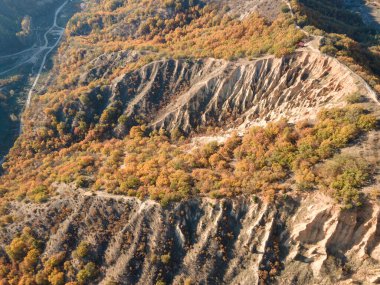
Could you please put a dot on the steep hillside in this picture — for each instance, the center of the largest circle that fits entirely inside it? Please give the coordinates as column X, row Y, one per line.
column 186, row 94
column 239, row 241
column 199, row 142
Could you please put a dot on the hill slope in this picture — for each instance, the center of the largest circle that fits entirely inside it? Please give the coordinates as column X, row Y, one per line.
column 198, row 142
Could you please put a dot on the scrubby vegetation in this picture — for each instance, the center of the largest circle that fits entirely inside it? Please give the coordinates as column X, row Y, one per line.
column 179, row 29
column 23, row 263
column 266, row 161
column 76, row 109
column 183, row 29
column 345, row 175
column 73, row 143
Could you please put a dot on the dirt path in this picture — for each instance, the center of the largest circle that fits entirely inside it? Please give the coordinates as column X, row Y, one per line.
column 54, row 30
column 313, row 46
column 52, row 38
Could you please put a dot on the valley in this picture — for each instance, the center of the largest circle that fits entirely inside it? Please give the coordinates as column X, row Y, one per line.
column 23, row 69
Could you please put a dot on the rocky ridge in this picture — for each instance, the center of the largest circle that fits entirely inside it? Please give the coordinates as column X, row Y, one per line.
column 300, row 240
column 186, row 94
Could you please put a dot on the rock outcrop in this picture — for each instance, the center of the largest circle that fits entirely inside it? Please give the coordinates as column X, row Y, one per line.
column 242, row 241
column 186, row 94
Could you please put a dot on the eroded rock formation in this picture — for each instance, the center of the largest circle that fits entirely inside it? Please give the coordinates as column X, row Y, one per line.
column 186, row 93
column 242, row 241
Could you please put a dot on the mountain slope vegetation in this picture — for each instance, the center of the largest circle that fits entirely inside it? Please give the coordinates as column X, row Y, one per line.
column 199, row 142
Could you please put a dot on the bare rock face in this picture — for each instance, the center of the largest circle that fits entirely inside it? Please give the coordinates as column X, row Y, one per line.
column 186, row 94
column 240, row 241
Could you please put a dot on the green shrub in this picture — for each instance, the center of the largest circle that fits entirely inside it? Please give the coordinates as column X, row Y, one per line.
column 17, row 250
column 367, row 122
column 39, row 194
column 82, row 182
column 345, row 175
column 132, row 182
column 285, row 9
column 87, row 274
column 82, row 250
column 355, row 98
column 329, row 49
column 2, row 192
column 165, row 259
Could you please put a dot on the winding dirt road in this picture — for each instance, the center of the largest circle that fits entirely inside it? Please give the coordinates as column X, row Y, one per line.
column 54, row 30
column 52, row 38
